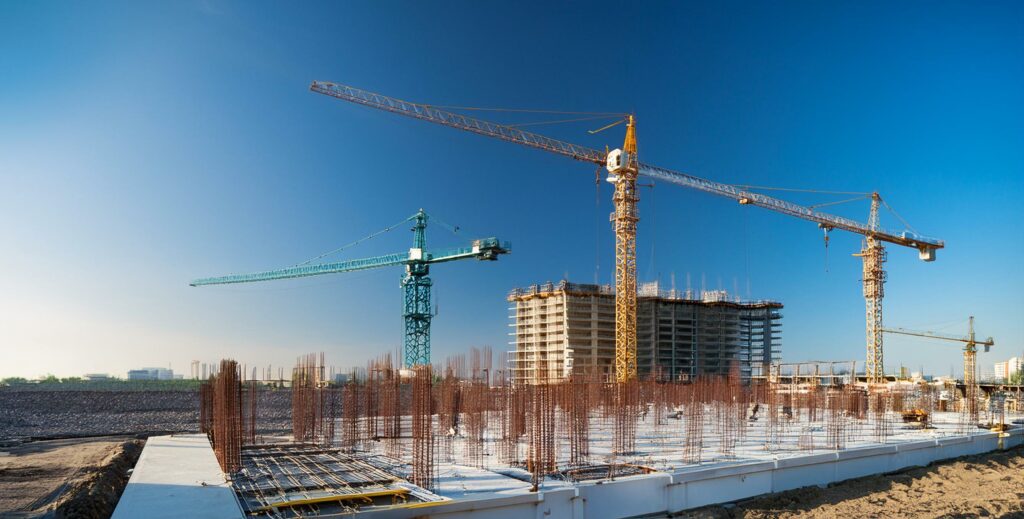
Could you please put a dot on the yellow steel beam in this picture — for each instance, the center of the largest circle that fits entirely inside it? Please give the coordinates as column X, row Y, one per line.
column 330, row 499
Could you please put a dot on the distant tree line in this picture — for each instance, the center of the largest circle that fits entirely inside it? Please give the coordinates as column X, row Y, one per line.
column 52, row 382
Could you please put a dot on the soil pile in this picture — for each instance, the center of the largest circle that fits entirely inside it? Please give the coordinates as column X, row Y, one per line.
column 66, row 478
column 986, row 485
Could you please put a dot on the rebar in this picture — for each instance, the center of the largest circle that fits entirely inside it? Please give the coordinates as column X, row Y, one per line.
column 310, row 420
column 227, row 416
column 423, row 446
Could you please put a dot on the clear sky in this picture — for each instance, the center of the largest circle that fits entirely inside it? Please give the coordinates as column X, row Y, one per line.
column 144, row 144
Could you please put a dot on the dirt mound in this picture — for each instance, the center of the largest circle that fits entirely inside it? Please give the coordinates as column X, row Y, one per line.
column 986, row 485
column 95, row 494
column 66, row 478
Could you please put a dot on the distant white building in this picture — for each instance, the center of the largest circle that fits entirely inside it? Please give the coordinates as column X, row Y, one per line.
column 97, row 377
column 151, row 374
column 987, row 375
column 1004, row 370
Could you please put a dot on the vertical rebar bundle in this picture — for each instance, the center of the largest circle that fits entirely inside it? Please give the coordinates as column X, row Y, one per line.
column 227, row 417
column 626, row 414
column 309, row 401
column 476, row 402
column 880, row 405
column 390, row 406
column 513, row 423
column 350, row 412
column 450, row 400
column 577, row 403
column 693, row 442
column 206, row 407
column 773, row 408
column 837, row 403
column 249, row 416
column 423, row 446
column 371, row 401
column 540, row 460
column 971, row 400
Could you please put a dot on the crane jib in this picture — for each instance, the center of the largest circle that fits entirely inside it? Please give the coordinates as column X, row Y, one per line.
column 308, row 270
column 462, row 122
column 583, row 153
column 783, row 206
column 483, row 249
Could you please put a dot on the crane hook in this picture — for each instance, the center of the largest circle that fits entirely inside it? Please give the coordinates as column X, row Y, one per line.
column 825, row 229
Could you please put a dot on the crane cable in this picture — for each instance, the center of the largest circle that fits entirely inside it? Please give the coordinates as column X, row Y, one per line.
column 357, row 242
column 795, row 190
column 559, row 121
column 525, row 110
column 590, row 116
column 898, row 217
column 862, row 195
column 453, row 228
column 826, row 204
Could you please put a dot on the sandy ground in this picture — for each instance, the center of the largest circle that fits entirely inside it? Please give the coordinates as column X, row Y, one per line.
column 986, row 485
column 65, row 478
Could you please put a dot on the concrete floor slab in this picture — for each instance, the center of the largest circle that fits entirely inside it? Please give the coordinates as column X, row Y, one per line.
column 177, row 476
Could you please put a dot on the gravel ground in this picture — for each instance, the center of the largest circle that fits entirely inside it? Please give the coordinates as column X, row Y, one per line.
column 60, row 414
column 985, row 485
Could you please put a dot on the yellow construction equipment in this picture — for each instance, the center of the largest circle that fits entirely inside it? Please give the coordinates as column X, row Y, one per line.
column 970, row 346
column 970, row 353
column 915, row 416
column 623, row 169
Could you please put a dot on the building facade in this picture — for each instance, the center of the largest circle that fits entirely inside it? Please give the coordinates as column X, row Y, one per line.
column 1005, row 370
column 152, row 374
column 563, row 328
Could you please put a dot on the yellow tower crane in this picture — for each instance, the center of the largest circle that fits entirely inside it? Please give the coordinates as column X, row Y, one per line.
column 623, row 169
column 970, row 350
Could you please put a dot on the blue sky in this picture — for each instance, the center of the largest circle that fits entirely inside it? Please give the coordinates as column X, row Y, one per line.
column 146, row 144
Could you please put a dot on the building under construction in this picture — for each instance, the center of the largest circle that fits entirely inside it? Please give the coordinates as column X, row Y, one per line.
column 565, row 328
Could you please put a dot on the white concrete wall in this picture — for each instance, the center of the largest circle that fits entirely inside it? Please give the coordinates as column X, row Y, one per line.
column 692, row 488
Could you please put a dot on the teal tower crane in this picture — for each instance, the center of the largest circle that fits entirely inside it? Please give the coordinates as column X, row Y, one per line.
column 416, row 284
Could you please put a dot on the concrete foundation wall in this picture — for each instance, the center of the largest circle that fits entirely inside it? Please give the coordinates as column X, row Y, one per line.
column 692, row 488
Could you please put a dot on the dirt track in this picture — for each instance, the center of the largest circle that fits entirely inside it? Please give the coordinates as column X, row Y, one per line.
column 65, row 478
column 986, row 485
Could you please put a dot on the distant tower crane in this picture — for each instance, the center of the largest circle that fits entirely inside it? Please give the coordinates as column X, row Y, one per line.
column 623, row 169
column 416, row 283
column 970, row 349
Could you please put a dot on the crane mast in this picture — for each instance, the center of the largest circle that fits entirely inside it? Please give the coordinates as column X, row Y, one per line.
column 416, row 312
column 625, row 219
column 872, row 254
column 624, row 168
